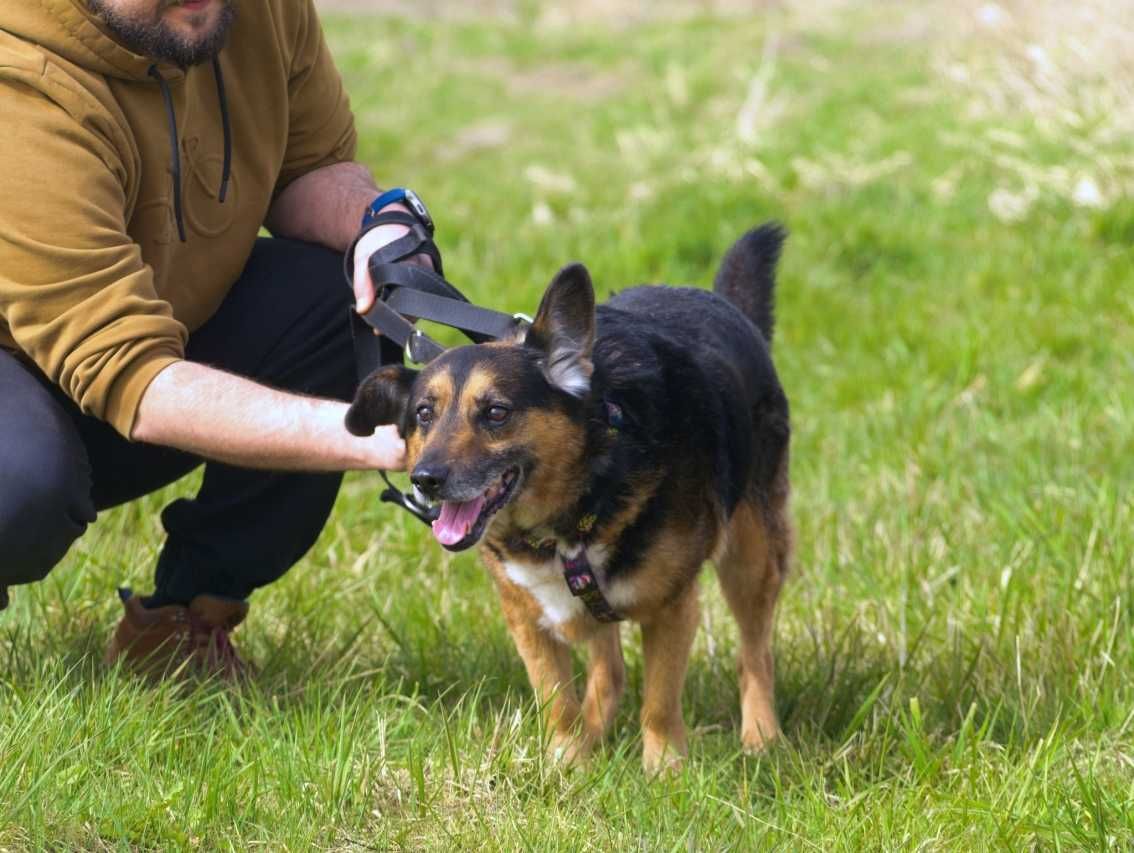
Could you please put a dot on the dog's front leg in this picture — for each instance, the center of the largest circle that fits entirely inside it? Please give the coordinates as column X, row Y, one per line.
column 548, row 662
column 606, row 679
column 666, row 641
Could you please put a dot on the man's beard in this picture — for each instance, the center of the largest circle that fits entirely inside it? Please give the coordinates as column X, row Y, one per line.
column 157, row 40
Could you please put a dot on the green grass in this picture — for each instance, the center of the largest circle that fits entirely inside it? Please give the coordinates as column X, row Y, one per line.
column 954, row 650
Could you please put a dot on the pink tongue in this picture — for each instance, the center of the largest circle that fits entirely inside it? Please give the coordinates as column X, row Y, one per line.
column 457, row 520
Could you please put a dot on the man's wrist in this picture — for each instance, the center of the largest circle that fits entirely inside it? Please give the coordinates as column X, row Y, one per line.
column 409, row 203
column 395, row 206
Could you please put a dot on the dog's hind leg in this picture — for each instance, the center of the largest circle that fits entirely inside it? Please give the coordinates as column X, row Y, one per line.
column 606, row 679
column 666, row 641
column 751, row 571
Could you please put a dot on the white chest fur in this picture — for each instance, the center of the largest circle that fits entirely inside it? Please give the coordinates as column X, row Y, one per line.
column 546, row 584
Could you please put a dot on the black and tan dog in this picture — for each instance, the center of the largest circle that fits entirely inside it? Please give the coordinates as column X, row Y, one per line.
column 602, row 460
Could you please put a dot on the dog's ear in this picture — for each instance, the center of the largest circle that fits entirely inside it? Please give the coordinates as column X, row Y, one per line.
column 564, row 329
column 380, row 399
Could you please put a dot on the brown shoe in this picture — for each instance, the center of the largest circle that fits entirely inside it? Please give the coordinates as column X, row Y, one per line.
column 174, row 639
column 4, row 600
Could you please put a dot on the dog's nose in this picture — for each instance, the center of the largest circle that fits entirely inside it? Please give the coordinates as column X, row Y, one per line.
column 430, row 479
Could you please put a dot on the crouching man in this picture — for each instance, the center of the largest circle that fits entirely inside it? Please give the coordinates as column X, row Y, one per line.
column 145, row 327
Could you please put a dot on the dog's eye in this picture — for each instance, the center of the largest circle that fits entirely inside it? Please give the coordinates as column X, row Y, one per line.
column 497, row 415
column 425, row 415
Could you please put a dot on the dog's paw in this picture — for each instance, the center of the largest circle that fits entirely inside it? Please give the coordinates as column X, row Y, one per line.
column 756, row 740
column 662, row 760
column 569, row 750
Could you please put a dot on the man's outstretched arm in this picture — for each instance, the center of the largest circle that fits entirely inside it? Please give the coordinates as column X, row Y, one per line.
column 221, row 416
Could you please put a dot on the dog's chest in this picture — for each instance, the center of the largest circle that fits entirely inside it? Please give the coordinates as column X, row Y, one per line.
column 544, row 581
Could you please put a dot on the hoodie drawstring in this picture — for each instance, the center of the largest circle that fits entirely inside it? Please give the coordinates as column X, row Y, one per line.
column 227, row 125
column 175, row 149
column 175, row 142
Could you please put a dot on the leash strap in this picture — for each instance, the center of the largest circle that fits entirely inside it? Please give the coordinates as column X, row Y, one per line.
column 479, row 324
column 403, row 290
column 373, row 350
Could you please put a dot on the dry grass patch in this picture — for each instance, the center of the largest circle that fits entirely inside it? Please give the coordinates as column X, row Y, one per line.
column 1062, row 72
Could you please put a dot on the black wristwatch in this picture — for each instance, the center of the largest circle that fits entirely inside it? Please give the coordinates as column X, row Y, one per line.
column 403, row 196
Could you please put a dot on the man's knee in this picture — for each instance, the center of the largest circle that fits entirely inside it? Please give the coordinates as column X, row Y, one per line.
column 45, row 505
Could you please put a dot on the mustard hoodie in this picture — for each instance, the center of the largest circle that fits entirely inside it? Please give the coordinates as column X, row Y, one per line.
column 97, row 288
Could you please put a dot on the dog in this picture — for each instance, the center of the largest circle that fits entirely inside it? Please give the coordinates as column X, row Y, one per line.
column 601, row 458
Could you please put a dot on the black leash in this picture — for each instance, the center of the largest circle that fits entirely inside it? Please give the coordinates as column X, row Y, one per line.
column 403, row 290
column 384, row 336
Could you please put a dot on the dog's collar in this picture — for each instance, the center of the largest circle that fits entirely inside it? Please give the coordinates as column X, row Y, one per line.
column 581, row 580
column 578, row 573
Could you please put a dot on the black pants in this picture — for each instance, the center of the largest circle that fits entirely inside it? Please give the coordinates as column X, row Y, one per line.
column 283, row 323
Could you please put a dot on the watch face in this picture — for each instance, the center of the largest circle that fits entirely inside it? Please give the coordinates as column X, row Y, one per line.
column 418, row 207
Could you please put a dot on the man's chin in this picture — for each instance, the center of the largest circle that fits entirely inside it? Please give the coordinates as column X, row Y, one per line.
column 185, row 34
column 202, row 30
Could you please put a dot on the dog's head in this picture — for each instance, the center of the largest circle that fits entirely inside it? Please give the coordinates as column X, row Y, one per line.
column 489, row 424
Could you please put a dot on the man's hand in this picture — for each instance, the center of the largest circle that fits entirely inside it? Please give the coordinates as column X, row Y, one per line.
column 371, row 242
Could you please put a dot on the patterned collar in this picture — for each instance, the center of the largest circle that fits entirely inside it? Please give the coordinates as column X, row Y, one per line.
column 581, row 580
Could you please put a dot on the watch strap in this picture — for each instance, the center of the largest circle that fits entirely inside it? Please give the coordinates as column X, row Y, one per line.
column 391, row 196
column 408, row 199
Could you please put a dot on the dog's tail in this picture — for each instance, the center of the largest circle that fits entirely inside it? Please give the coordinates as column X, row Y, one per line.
column 747, row 277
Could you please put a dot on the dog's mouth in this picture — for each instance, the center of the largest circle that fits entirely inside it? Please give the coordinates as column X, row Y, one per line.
column 462, row 523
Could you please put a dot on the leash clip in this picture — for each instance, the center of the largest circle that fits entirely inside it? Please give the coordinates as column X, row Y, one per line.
column 522, row 323
column 415, row 335
column 409, row 502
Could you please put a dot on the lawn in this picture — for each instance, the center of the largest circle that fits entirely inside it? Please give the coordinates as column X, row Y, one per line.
column 955, row 333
